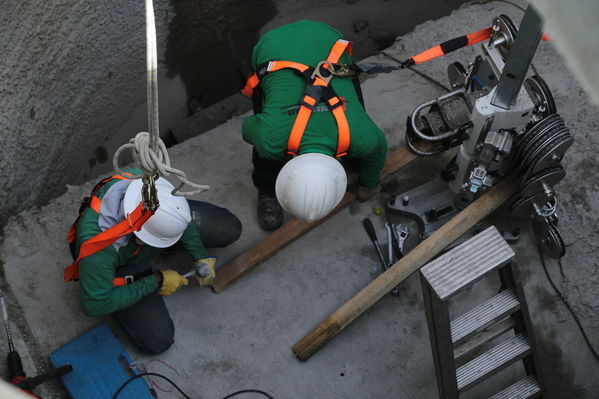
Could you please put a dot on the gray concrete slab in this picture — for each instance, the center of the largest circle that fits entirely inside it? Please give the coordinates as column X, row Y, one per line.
column 242, row 337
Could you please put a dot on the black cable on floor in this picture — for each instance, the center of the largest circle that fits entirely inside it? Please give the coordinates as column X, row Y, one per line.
column 116, row 394
column 248, row 391
column 564, row 300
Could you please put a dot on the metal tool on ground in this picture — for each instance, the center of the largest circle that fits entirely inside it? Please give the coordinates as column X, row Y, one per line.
column 490, row 336
column 402, row 233
column 404, row 268
column 391, row 254
column 372, row 235
column 16, row 373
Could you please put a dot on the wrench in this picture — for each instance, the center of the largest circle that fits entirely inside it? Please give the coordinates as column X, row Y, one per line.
column 402, row 233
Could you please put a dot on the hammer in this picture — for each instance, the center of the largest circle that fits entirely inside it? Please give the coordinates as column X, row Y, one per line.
column 196, row 270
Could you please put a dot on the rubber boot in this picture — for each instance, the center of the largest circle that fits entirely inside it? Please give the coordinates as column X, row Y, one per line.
column 270, row 213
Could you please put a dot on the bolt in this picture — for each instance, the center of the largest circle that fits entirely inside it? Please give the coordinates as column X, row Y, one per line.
column 405, row 200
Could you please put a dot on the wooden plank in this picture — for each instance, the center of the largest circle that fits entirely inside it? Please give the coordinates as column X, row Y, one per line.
column 403, row 269
column 296, row 228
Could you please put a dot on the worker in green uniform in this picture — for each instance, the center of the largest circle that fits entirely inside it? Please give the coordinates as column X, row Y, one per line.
column 312, row 183
column 120, row 279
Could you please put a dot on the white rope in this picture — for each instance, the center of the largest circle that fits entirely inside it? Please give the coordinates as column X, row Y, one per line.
column 147, row 149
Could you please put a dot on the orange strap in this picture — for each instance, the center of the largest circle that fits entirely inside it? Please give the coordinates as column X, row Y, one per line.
column 133, row 222
column 251, row 84
column 454, row 44
column 305, row 111
column 94, row 203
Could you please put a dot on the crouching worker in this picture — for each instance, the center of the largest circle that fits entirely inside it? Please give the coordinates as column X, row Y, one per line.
column 302, row 110
column 113, row 261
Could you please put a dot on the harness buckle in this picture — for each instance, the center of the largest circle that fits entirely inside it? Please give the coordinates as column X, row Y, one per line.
column 129, row 279
column 326, row 74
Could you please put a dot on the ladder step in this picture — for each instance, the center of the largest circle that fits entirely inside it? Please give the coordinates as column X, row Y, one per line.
column 524, row 389
column 484, row 315
column 467, row 263
column 465, row 351
column 492, row 361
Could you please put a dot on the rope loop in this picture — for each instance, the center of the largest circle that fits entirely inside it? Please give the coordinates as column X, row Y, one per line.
column 155, row 163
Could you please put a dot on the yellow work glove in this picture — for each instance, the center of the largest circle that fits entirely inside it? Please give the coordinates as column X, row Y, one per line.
column 206, row 273
column 171, row 282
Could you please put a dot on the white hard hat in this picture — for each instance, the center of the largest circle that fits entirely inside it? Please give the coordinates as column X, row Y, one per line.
column 169, row 222
column 311, row 185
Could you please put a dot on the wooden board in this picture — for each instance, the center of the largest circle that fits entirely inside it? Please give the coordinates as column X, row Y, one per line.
column 404, row 268
column 295, row 229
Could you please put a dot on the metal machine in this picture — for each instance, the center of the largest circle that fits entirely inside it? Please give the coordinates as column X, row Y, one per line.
column 502, row 132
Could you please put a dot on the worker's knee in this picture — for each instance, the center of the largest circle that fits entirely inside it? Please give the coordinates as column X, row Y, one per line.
column 155, row 340
column 217, row 226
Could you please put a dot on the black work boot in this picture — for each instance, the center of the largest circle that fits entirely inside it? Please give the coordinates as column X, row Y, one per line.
column 270, row 213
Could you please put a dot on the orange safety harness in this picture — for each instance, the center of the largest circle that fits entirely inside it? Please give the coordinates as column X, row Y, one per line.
column 317, row 87
column 133, row 222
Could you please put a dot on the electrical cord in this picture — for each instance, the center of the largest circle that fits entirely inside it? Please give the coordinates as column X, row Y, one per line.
column 565, row 301
column 140, row 375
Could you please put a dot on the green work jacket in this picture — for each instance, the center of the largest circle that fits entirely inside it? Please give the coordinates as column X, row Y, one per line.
column 310, row 42
column 96, row 272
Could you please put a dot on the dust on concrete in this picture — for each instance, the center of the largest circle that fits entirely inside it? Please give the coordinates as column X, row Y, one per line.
column 252, row 325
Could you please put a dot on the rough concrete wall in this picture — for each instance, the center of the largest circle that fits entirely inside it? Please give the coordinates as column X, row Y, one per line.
column 70, row 72
column 570, row 28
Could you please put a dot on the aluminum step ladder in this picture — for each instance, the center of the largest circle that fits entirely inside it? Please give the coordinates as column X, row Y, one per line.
column 457, row 344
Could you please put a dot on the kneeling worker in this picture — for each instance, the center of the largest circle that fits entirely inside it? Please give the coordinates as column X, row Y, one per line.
column 303, row 111
column 119, row 278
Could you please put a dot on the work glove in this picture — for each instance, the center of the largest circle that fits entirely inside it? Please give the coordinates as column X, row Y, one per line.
column 171, row 282
column 364, row 193
column 206, row 272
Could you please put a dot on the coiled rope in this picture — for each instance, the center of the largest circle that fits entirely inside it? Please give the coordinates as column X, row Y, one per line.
column 147, row 148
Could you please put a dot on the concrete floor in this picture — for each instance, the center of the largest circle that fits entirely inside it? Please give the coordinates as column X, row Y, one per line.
column 242, row 337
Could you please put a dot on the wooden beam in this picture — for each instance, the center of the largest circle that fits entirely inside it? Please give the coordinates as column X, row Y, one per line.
column 296, row 228
column 414, row 260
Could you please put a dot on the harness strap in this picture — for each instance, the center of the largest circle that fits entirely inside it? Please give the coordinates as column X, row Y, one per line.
column 132, row 222
column 120, row 281
column 308, row 104
column 316, row 88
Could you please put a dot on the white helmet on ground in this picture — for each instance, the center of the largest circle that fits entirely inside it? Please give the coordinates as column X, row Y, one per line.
column 311, row 185
column 169, row 222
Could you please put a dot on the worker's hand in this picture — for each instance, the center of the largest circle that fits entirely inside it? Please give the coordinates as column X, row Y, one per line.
column 171, row 282
column 206, row 273
column 364, row 193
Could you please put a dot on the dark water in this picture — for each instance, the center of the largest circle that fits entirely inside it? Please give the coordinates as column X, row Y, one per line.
column 209, row 45
column 210, row 42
